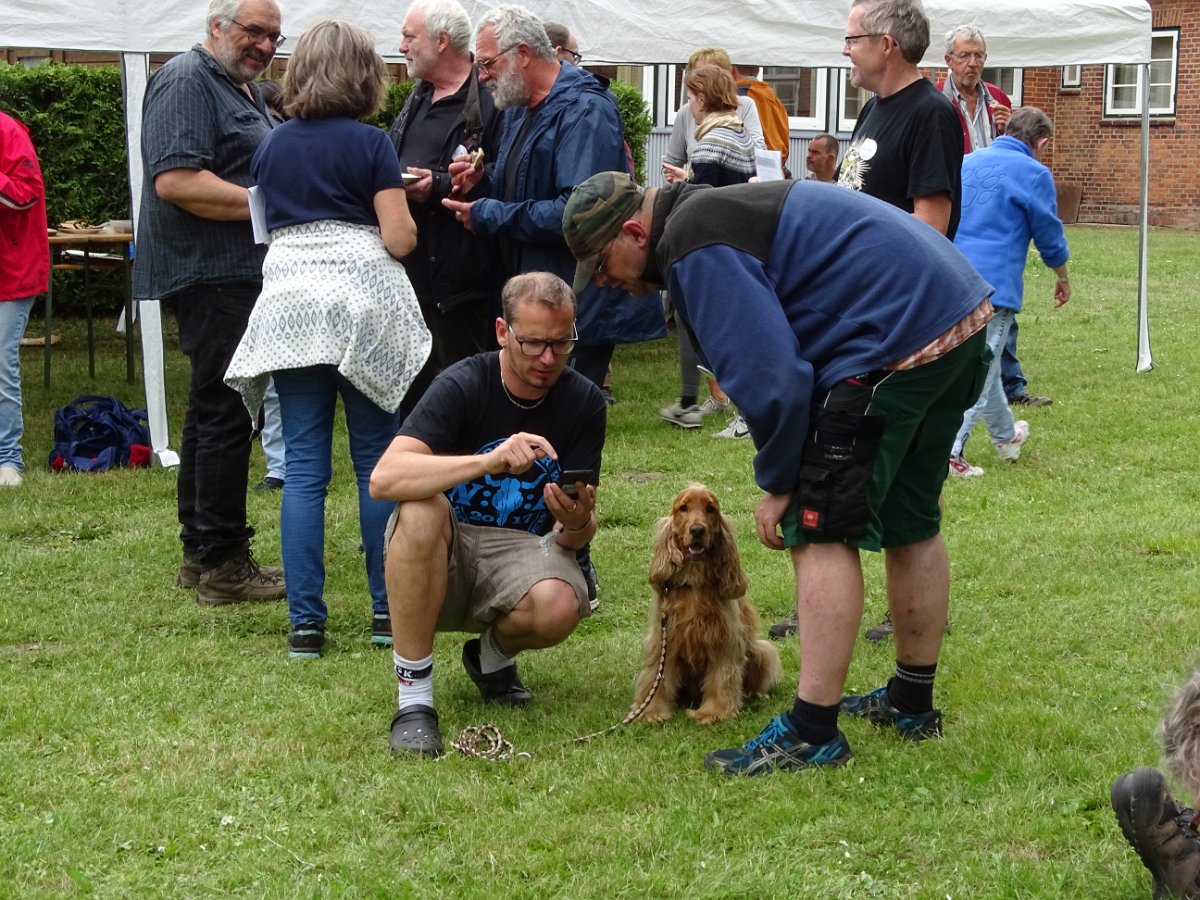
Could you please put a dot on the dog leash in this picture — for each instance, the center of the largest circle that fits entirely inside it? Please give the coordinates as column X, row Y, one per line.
column 486, row 741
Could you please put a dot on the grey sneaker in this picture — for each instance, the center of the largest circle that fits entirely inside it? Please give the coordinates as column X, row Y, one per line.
column 1160, row 830
column 883, row 630
column 713, row 405
column 677, row 414
column 783, row 628
column 239, row 580
column 736, row 430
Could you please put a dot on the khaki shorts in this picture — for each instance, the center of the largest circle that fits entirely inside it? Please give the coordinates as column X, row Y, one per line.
column 491, row 569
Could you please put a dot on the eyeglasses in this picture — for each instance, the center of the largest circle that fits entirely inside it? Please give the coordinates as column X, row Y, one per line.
column 852, row 39
column 257, row 35
column 485, row 65
column 537, row 348
column 970, row 56
column 575, row 55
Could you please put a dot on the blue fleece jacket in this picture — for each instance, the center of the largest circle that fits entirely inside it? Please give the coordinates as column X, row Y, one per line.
column 789, row 293
column 1008, row 199
column 575, row 133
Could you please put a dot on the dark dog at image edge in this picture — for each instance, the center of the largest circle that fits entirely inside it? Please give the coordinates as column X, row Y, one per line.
column 714, row 658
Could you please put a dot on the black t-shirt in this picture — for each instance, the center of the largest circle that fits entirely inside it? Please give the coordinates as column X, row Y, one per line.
column 466, row 411
column 907, row 145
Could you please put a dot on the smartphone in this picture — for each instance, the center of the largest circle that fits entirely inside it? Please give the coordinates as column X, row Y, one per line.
column 567, row 479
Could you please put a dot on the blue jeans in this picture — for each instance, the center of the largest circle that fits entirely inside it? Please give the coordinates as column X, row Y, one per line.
column 992, row 405
column 307, row 399
column 14, row 316
column 272, row 435
column 1010, row 367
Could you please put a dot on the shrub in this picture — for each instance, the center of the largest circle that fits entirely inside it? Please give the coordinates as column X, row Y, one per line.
column 635, row 115
column 76, row 118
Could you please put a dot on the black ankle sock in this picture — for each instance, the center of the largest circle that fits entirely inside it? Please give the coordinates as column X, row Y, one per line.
column 911, row 691
column 815, row 724
column 687, row 400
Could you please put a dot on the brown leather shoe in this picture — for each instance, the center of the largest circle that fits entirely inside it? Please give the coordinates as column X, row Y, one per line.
column 240, row 580
column 1160, row 830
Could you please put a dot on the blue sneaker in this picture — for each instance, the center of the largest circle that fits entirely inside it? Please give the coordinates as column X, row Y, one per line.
column 875, row 707
column 778, row 747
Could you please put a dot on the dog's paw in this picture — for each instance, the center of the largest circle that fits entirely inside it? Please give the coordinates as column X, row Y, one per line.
column 655, row 713
column 710, row 716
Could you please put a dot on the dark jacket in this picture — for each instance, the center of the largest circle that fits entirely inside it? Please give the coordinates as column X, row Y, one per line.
column 574, row 133
column 450, row 267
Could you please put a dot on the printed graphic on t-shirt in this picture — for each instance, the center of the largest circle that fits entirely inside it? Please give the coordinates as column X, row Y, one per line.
column 506, row 501
column 856, row 163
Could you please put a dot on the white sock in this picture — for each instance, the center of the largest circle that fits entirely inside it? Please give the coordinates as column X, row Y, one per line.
column 415, row 678
column 491, row 657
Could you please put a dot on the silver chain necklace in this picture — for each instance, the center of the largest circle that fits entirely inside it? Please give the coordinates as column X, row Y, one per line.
column 513, row 400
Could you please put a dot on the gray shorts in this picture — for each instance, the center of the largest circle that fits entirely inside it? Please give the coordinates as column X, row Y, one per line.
column 491, row 569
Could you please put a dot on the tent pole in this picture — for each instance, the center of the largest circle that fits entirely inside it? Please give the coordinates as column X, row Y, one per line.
column 135, row 72
column 1145, row 362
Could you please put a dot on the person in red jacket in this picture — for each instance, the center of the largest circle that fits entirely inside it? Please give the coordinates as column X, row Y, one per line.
column 983, row 109
column 24, row 273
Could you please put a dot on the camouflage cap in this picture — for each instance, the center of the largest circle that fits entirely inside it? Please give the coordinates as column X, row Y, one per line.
column 593, row 216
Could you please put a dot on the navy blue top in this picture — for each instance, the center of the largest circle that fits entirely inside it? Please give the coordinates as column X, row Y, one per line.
column 314, row 169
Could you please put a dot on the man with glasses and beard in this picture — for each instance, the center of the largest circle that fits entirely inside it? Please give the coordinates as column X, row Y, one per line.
column 485, row 532
column 561, row 127
column 202, row 121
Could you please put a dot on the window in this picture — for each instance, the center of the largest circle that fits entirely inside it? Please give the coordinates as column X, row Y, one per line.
column 1123, row 82
column 851, row 100
column 1072, row 77
column 802, row 92
column 1008, row 80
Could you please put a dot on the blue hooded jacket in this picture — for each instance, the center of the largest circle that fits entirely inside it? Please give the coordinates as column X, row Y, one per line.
column 1008, row 199
column 574, row 133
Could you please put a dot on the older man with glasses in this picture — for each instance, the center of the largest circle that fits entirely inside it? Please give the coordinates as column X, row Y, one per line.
column 494, row 472
column 561, row 126
column 203, row 119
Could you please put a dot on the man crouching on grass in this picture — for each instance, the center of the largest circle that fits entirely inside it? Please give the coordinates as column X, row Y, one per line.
column 483, row 538
column 851, row 336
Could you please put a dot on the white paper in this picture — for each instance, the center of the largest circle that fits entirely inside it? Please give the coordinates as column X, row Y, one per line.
column 258, row 215
column 769, row 164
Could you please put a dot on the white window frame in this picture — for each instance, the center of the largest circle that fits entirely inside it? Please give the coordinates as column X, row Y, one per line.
column 1018, row 82
column 844, row 124
column 814, row 122
column 1071, row 78
column 1112, row 110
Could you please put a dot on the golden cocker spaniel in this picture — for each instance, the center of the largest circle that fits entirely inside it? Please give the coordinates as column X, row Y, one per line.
column 714, row 658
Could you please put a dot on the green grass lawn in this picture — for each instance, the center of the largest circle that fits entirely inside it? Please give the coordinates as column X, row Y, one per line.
column 150, row 746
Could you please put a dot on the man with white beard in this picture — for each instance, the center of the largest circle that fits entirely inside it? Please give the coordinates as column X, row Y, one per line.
column 561, row 126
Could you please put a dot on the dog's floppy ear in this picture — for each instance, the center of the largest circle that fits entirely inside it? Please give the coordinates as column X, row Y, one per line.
column 731, row 580
column 668, row 556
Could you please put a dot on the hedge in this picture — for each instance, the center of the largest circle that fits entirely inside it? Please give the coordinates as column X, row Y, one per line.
column 76, row 118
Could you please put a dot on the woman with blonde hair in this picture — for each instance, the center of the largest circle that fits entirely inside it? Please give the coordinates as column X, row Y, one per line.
column 337, row 315
column 723, row 155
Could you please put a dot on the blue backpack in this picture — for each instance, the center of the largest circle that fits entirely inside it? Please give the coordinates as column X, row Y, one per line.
column 92, row 434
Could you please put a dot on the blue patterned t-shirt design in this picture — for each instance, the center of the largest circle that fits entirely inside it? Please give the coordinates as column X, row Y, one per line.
column 505, row 500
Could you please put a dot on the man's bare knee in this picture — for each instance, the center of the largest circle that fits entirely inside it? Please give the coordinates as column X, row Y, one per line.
column 419, row 525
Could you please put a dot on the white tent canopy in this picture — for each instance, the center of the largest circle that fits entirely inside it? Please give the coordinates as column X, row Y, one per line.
column 1024, row 33
column 808, row 33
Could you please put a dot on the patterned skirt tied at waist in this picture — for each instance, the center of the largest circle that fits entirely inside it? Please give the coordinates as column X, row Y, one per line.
column 333, row 296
